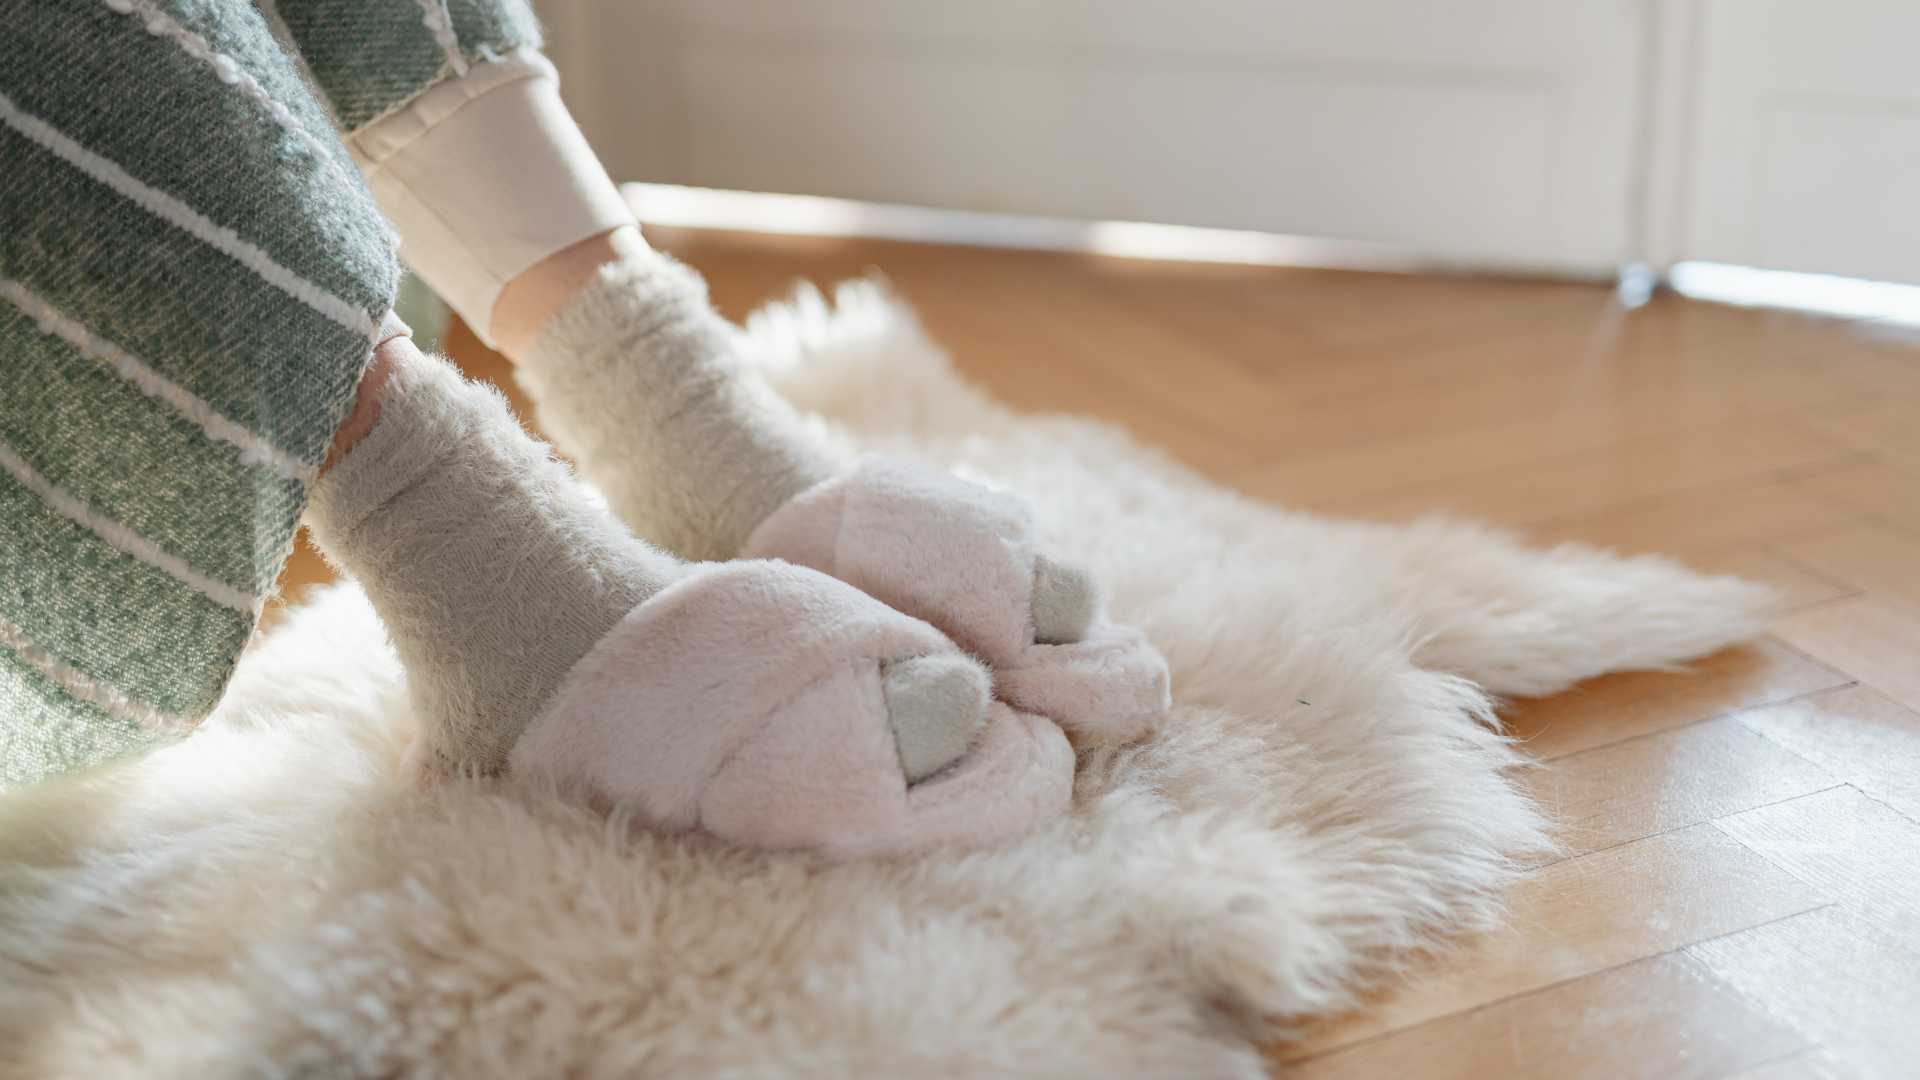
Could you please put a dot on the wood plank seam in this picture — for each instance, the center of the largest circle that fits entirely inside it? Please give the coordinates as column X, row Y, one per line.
column 1734, row 712
column 1657, row 833
column 1787, row 475
column 1849, row 589
column 1762, row 1066
column 1678, row 950
column 1781, row 474
column 1769, row 860
column 1706, row 972
column 1762, row 733
column 1775, row 639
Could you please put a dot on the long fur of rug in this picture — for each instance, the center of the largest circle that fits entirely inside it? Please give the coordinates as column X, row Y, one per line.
column 1330, row 797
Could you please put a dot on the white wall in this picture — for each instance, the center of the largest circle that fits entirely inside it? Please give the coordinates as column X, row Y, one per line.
column 1807, row 154
column 1563, row 134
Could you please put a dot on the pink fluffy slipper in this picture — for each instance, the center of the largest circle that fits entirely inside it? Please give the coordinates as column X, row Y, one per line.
column 746, row 700
column 963, row 558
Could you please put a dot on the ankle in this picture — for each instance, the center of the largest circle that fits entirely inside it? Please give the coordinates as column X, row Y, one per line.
column 531, row 300
column 492, row 571
column 366, row 397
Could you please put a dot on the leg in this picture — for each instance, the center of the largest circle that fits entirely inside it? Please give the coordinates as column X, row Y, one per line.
column 192, row 353
column 179, row 348
column 765, row 703
column 445, row 94
column 641, row 381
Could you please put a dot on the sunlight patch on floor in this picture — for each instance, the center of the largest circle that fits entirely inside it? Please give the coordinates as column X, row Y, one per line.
column 812, row 215
column 1825, row 294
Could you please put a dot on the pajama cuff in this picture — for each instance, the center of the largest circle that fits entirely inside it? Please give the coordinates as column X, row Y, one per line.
column 484, row 175
column 391, row 326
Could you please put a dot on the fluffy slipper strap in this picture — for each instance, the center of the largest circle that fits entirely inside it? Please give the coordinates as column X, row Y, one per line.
column 962, row 557
column 746, row 699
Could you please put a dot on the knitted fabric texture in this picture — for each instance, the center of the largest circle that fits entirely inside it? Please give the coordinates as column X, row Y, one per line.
column 369, row 57
column 192, row 277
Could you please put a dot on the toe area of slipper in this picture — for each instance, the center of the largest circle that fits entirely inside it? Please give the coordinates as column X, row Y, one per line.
column 965, row 558
column 936, row 705
column 844, row 797
column 751, row 700
column 1111, row 686
column 922, row 541
column 1066, row 601
column 1019, row 775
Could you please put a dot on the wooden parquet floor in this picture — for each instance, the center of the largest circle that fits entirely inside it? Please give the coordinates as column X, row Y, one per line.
column 1741, row 895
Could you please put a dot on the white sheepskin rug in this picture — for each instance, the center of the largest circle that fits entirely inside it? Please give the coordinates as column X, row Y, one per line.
column 1329, row 798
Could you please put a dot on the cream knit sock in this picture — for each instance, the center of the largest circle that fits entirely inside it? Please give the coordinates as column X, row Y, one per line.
column 494, row 572
column 640, row 380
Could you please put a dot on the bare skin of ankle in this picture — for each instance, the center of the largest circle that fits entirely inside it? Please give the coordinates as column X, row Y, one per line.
column 529, row 301
column 366, row 398
column 525, row 306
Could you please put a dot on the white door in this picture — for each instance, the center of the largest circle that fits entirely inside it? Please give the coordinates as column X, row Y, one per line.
column 1806, row 153
column 1485, row 131
column 1569, row 135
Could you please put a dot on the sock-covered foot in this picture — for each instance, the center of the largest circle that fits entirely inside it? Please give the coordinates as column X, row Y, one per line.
column 643, row 382
column 762, row 701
